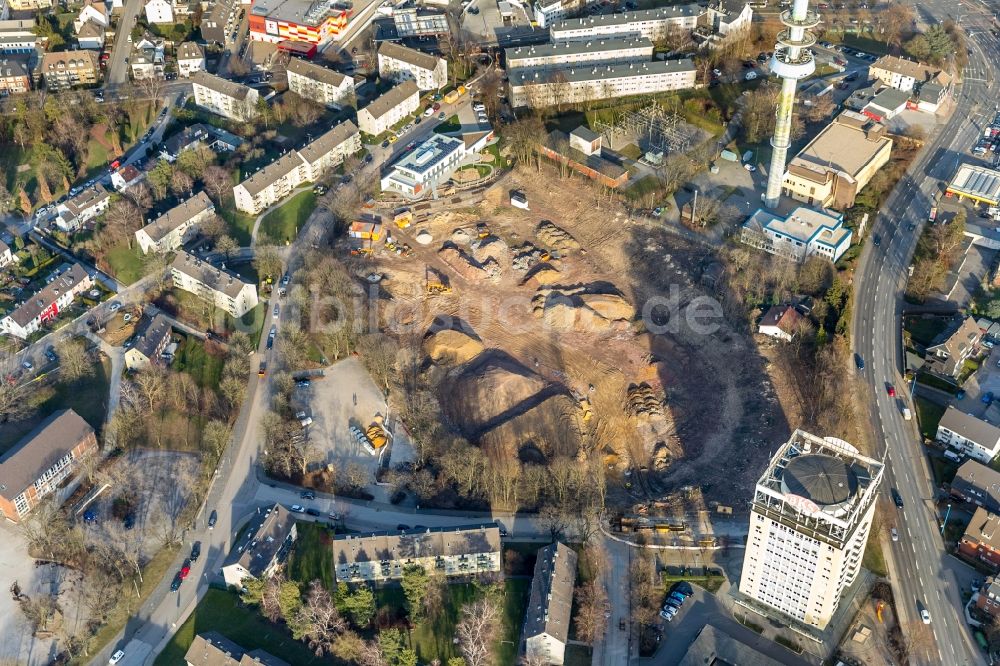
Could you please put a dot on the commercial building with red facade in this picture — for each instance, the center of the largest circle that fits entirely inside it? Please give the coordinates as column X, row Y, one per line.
column 313, row 22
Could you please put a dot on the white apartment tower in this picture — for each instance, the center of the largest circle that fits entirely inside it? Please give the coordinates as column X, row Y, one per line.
column 812, row 511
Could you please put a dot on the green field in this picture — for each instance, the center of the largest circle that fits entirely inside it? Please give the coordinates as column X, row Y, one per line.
column 928, row 415
column 205, row 369
column 312, row 557
column 125, row 263
column 873, row 559
column 240, row 225
column 282, row 224
column 222, row 611
column 923, row 330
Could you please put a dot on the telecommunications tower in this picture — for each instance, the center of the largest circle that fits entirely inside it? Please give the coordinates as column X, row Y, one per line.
column 792, row 61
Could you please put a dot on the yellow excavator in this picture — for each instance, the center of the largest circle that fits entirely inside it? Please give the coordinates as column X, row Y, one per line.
column 403, row 219
column 435, row 284
column 482, row 230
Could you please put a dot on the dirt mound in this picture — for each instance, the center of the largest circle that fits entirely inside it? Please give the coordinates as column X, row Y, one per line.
column 551, row 428
column 491, row 248
column 460, row 262
column 556, row 238
column 451, row 347
column 579, row 308
column 541, row 275
column 491, row 389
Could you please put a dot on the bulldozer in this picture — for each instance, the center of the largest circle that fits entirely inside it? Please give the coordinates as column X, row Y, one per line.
column 435, row 284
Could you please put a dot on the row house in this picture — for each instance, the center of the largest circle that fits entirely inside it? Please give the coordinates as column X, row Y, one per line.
column 46, row 304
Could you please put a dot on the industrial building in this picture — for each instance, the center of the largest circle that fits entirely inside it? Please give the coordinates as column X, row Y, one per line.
column 573, row 85
column 809, row 523
column 838, row 163
column 612, row 51
column 802, row 234
column 310, row 21
column 976, row 183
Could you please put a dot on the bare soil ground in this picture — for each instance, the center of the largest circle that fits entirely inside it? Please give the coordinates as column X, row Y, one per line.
column 718, row 415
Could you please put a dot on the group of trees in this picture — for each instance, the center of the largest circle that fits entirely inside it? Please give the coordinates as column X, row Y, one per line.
column 938, row 249
column 938, row 44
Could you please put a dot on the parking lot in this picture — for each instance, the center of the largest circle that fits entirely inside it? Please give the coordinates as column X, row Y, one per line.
column 346, row 396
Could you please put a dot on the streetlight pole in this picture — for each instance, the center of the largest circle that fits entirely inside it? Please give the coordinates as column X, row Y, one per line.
column 946, row 516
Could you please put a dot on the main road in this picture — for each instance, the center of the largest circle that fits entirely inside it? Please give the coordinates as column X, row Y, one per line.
column 919, row 566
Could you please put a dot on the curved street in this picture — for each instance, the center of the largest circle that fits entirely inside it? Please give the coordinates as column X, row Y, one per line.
column 918, row 563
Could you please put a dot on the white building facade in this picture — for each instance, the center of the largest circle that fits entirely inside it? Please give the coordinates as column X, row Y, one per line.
column 159, row 11
column 809, row 524
column 390, row 108
column 615, row 50
column 227, row 291
column 968, row 435
column 400, row 63
column 319, row 84
column 427, row 166
column 574, row 85
column 653, row 24
column 223, row 97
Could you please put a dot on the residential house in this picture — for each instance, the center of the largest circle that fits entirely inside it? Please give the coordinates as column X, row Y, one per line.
column 805, row 233
column 265, row 547
column 839, row 162
column 389, row 108
column 44, row 458
column 988, row 598
column 226, row 98
column 60, row 70
column 981, row 540
column 782, row 322
column 159, row 11
column 47, row 303
column 443, row 551
column 210, row 648
column 574, row 84
column 190, row 59
column 93, row 10
column 91, row 36
column 219, row 21
column 14, row 78
column 224, row 289
column 581, row 150
column 73, row 213
column 199, row 134
column 149, row 59
column 547, row 12
column 150, row 341
column 546, row 622
column 6, row 256
column 949, row 350
column 400, row 63
column 716, row 646
column 886, row 105
column 426, row 167
column 319, row 84
column 126, row 177
column 276, row 180
column 969, row 435
column 906, row 75
column 931, row 96
column 175, row 227
column 17, row 37
column 977, row 484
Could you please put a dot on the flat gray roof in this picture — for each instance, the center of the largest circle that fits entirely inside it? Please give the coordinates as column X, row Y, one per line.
column 582, row 73
column 625, row 18
column 576, row 48
column 978, row 182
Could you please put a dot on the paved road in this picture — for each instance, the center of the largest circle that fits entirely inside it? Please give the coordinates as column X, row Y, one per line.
column 116, row 73
column 916, row 561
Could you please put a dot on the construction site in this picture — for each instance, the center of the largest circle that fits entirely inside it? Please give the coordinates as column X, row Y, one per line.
column 535, row 301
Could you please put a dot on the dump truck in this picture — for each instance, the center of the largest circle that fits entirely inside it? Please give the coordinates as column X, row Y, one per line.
column 403, row 219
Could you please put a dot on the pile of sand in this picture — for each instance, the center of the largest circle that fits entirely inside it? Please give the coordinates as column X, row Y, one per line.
column 451, row 347
column 491, row 248
column 461, row 236
column 581, row 309
column 424, row 237
column 556, row 238
column 487, row 388
column 460, row 262
column 541, row 275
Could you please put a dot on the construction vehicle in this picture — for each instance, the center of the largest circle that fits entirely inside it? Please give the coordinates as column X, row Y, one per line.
column 404, row 218
column 545, row 255
column 376, row 435
column 434, row 283
column 587, row 412
column 482, row 230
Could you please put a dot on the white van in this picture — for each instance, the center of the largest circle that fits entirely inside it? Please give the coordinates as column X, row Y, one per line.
column 906, row 413
column 951, row 455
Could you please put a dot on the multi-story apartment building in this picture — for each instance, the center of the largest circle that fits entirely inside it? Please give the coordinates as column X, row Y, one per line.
column 30, row 5
column 319, row 84
column 905, row 75
column 948, row 351
column 586, row 83
column 809, row 523
column 420, row 22
column 14, row 79
column 150, row 341
column 226, row 98
column 838, row 163
column 981, row 540
column 311, row 21
column 273, row 182
column 47, row 303
column 220, row 21
column 159, row 11
column 172, row 229
column 399, row 63
column 66, row 69
column 6, row 256
column 547, row 12
column 84, row 207
column 977, row 484
column 802, row 234
column 969, row 435
column 653, row 24
column 612, row 51
column 226, row 290
column 44, row 458
column 17, row 37
column 427, row 166
column 190, row 59
column 550, row 602
column 443, row 551
column 264, row 548
column 210, row 648
column 389, row 108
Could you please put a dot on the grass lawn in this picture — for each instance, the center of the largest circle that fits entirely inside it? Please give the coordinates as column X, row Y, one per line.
column 641, row 187
column 243, row 625
column 451, row 124
column 282, row 224
column 125, row 263
column 865, row 44
column 710, row 583
column 943, row 469
column 873, row 559
column 240, row 225
column 88, row 397
column 923, row 331
column 432, row 639
column 928, row 415
column 203, row 367
column 936, row 382
column 98, row 158
column 312, row 557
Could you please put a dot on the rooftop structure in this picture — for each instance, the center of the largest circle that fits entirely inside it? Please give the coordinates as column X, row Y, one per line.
column 610, row 50
column 311, row 21
column 575, row 84
column 977, row 484
column 806, row 232
column 714, row 647
column 981, row 540
column 977, row 183
column 267, row 543
column 218, row 286
column 550, row 601
column 809, row 523
column 210, row 648
column 650, row 23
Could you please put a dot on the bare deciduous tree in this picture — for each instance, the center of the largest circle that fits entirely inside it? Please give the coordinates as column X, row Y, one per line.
column 478, row 630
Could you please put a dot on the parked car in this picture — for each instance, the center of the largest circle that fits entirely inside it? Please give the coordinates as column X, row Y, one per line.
column 115, row 307
column 129, row 521
column 89, row 516
column 185, row 570
column 27, row 365
column 895, row 534
column 175, row 584
column 295, row 508
column 308, row 494
column 313, row 512
column 925, row 616
column 116, row 657
column 195, row 551
column 277, row 309
column 212, row 519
